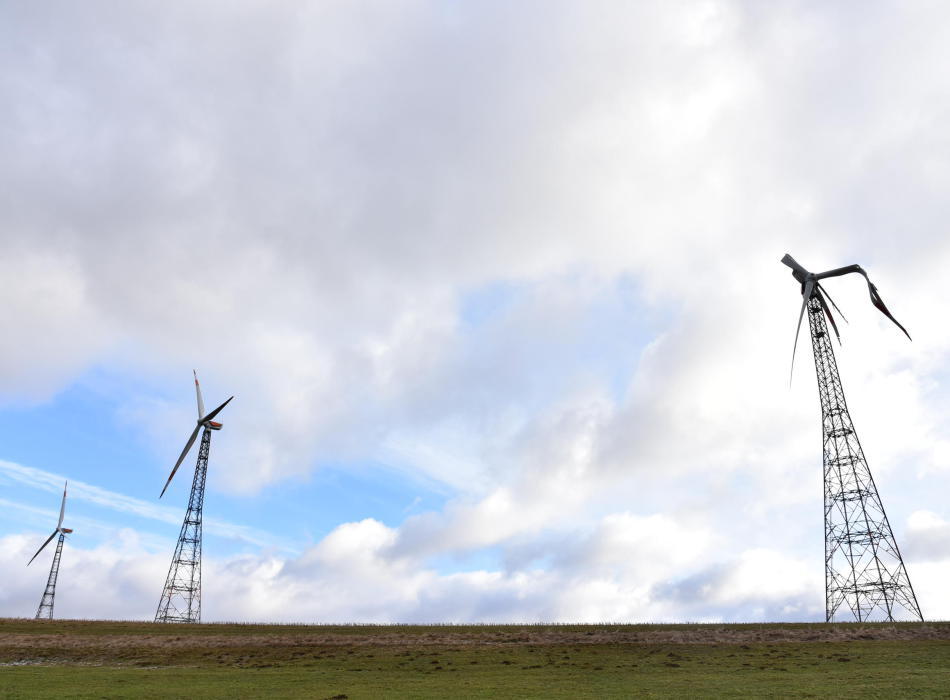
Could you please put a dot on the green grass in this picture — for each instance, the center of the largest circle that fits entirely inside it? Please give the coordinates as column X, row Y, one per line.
column 118, row 659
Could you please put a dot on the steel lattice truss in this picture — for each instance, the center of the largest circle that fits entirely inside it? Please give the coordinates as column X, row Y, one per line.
column 864, row 571
column 181, row 598
column 45, row 610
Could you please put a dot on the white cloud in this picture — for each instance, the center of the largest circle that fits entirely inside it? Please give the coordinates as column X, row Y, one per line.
column 355, row 574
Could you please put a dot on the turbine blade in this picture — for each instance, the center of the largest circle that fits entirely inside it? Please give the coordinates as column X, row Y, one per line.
column 201, row 403
column 872, row 290
column 62, row 508
column 806, row 295
column 216, row 411
column 181, row 458
column 839, row 271
column 55, row 532
column 824, row 306
column 828, row 297
column 879, row 304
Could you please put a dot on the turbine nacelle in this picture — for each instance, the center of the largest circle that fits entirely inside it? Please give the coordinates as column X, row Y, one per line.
column 202, row 418
column 798, row 272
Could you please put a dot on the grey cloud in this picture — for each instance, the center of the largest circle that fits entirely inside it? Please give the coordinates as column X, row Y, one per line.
column 927, row 539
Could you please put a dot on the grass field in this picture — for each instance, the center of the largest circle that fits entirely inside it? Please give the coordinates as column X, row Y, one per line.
column 134, row 659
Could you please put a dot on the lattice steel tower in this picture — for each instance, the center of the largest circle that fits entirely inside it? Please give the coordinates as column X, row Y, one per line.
column 45, row 611
column 181, row 596
column 864, row 571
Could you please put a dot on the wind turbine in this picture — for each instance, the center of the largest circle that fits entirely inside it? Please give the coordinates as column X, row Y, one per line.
column 864, row 570
column 181, row 597
column 45, row 610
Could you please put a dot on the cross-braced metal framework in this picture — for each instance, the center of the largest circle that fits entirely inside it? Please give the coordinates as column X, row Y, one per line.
column 181, row 598
column 864, row 571
column 45, row 611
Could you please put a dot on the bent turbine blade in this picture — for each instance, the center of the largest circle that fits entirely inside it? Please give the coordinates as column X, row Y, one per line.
column 872, row 290
column 55, row 532
column 828, row 297
column 806, row 295
column 216, row 411
column 62, row 508
column 201, row 403
column 824, row 307
column 879, row 305
column 839, row 271
column 181, row 458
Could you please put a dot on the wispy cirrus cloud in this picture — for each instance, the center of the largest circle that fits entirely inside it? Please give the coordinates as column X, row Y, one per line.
column 120, row 503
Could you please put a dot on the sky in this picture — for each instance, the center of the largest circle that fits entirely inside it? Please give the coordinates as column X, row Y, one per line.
column 495, row 286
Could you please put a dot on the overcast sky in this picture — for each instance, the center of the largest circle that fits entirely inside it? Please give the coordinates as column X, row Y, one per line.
column 496, row 286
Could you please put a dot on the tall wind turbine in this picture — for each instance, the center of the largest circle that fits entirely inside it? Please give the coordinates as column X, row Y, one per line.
column 181, row 597
column 864, row 570
column 46, row 603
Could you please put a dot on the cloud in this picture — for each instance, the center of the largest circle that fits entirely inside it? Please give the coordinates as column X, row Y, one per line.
column 928, row 537
column 316, row 244
column 355, row 575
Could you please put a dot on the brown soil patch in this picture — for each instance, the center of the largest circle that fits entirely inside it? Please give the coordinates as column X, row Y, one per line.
column 476, row 636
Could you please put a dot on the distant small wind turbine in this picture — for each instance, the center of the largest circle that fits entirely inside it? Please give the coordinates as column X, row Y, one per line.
column 45, row 610
column 181, row 597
